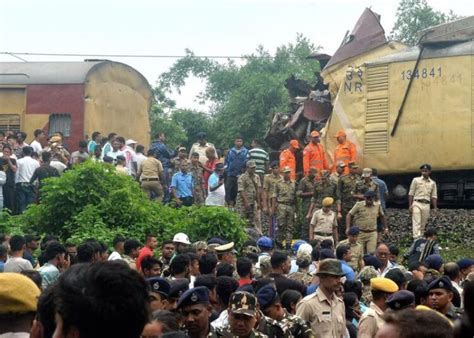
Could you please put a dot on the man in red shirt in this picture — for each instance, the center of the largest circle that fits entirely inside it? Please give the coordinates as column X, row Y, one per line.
column 209, row 166
column 150, row 244
column 244, row 269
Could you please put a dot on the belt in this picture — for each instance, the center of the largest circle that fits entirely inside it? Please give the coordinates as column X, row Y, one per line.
column 322, row 234
column 285, row 203
column 150, row 179
column 423, row 201
column 367, row 231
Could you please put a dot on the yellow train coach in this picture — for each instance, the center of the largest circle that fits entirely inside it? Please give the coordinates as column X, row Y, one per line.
column 411, row 107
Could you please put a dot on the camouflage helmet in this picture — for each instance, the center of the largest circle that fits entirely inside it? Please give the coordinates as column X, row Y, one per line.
column 330, row 266
column 367, row 273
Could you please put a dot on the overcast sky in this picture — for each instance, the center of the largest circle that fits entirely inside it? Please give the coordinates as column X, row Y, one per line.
column 208, row 27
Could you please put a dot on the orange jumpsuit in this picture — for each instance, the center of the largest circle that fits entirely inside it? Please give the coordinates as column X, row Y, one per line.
column 288, row 159
column 345, row 152
column 314, row 156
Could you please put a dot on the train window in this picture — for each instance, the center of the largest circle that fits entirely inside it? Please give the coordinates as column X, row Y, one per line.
column 60, row 123
column 10, row 122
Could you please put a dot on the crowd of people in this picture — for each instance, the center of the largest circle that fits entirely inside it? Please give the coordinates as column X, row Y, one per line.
column 316, row 266
column 207, row 289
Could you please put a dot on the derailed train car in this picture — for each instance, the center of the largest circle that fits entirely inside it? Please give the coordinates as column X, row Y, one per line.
column 412, row 106
column 75, row 98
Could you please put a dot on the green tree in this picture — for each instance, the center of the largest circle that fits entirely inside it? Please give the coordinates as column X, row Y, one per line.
column 414, row 16
column 243, row 95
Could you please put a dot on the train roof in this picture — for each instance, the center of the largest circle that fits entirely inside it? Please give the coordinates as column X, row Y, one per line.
column 24, row 73
column 411, row 53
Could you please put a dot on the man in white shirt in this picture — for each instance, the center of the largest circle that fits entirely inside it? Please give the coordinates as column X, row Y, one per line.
column 116, row 145
column 130, row 156
column 16, row 263
column 36, row 143
column 118, row 243
column 25, row 193
column 140, row 150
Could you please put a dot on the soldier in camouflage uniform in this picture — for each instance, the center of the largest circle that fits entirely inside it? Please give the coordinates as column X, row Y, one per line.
column 197, row 172
column 242, row 313
column 303, row 260
column 175, row 163
column 344, row 195
column 305, row 192
column 290, row 325
column 283, row 204
column 324, row 188
column 269, row 180
column 248, row 194
column 366, row 184
column 338, row 173
column 365, row 275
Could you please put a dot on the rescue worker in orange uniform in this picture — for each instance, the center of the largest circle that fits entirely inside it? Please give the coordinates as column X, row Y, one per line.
column 314, row 155
column 288, row 158
column 345, row 151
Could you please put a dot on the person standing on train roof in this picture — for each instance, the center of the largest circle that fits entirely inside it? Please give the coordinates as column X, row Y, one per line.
column 345, row 151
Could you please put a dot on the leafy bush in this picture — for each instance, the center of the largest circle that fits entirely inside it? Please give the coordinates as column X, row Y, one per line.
column 93, row 201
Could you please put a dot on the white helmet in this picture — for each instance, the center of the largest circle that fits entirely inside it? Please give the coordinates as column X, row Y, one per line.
column 181, row 238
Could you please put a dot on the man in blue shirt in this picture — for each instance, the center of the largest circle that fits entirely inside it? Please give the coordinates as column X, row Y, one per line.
column 165, row 155
column 235, row 164
column 182, row 186
column 344, row 255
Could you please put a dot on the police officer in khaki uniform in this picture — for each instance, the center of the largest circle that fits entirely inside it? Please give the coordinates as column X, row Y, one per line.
column 323, row 224
column 323, row 309
column 248, row 194
column 364, row 215
column 283, row 204
column 305, row 192
column 422, row 192
column 323, row 188
column 366, row 184
column 371, row 320
column 344, row 192
column 357, row 250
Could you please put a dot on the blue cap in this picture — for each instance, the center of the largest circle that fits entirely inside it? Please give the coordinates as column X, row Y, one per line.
column 369, row 194
column 275, row 164
column 247, row 288
column 354, row 231
column 297, row 245
column 434, row 262
column 370, row 260
column 441, row 283
column 265, row 242
column 464, row 263
column 267, row 296
column 400, row 300
column 197, row 295
column 326, row 253
column 217, row 240
column 159, row 285
column 178, row 287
